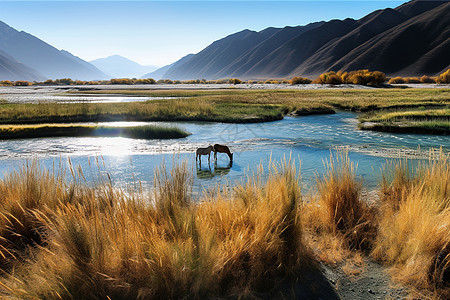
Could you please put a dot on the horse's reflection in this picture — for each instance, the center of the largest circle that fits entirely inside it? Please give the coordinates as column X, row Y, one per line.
column 204, row 173
column 220, row 171
column 207, row 173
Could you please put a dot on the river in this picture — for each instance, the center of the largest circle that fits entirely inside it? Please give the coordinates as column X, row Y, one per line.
column 307, row 139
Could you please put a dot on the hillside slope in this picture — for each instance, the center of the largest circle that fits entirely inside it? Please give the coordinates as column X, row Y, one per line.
column 411, row 40
column 44, row 58
column 12, row 70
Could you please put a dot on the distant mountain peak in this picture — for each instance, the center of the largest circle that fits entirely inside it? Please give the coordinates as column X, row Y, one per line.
column 118, row 66
column 36, row 54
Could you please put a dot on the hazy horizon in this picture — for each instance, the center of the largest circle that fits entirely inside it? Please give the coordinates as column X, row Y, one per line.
column 158, row 33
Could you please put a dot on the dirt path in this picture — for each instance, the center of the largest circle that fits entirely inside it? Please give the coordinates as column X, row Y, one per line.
column 373, row 283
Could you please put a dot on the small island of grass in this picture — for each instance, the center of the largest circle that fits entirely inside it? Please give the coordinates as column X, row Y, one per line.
column 72, row 130
column 433, row 121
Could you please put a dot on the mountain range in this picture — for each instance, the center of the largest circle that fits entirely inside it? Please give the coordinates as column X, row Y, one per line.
column 118, row 66
column 410, row 40
column 161, row 72
column 26, row 57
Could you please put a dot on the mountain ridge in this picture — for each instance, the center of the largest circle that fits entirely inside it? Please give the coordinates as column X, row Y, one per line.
column 117, row 66
column 35, row 53
column 382, row 40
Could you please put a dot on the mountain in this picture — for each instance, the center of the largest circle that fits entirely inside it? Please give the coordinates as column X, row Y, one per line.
column 420, row 45
column 410, row 40
column 209, row 62
column 10, row 69
column 121, row 67
column 161, row 73
column 44, row 58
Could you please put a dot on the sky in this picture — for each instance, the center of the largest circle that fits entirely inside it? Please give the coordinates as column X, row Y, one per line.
column 161, row 32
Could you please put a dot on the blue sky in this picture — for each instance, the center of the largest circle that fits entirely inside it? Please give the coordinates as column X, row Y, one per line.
column 160, row 32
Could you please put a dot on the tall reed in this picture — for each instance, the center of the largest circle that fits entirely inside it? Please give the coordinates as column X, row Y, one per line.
column 414, row 231
column 109, row 243
column 339, row 209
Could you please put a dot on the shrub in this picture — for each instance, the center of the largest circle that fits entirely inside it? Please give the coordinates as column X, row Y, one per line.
column 221, row 81
column 363, row 77
column 145, row 81
column 328, row 78
column 412, row 80
column 165, row 81
column 121, row 81
column 396, row 80
column 6, row 83
column 271, row 81
column 65, row 81
column 300, row 80
column 22, row 83
column 444, row 77
column 426, row 79
column 234, row 81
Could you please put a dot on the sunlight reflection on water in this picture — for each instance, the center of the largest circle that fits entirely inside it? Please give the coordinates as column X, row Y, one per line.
column 308, row 139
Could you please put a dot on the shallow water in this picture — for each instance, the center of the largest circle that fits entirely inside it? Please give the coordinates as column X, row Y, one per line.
column 308, row 139
column 33, row 97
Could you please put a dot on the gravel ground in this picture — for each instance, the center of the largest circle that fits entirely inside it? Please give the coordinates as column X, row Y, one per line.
column 373, row 283
column 53, row 93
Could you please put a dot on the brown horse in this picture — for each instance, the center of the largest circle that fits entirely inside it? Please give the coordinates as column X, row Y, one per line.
column 204, row 151
column 222, row 149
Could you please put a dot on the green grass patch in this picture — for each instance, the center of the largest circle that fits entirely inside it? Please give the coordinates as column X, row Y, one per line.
column 225, row 105
column 71, row 130
column 436, row 121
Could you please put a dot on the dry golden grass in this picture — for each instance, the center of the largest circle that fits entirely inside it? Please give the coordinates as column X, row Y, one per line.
column 414, row 231
column 341, row 225
column 339, row 209
column 76, row 240
column 98, row 242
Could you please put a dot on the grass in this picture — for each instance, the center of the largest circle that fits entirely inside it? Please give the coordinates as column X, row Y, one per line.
column 231, row 105
column 341, row 225
column 351, row 99
column 414, row 235
column 72, row 130
column 77, row 240
column 415, row 121
column 95, row 243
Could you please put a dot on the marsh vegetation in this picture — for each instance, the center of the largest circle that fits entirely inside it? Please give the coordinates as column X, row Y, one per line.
column 234, row 106
column 73, row 130
column 70, row 239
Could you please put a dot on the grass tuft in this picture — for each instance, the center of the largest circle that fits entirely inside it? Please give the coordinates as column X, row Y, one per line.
column 339, row 209
column 414, row 235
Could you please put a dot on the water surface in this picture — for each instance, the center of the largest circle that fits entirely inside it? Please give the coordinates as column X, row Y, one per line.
column 308, row 139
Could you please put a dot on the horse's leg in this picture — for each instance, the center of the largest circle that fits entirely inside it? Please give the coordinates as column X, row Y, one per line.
column 209, row 157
